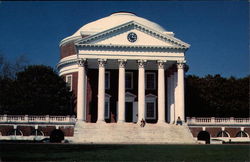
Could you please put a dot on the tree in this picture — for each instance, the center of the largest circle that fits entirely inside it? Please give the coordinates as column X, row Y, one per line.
column 37, row 90
column 9, row 69
column 217, row 96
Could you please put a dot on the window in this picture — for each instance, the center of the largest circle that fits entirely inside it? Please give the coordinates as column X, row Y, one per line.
column 69, row 81
column 241, row 134
column 150, row 110
column 129, row 80
column 222, row 134
column 150, row 104
column 106, row 110
column 107, row 80
column 107, row 106
column 150, row 80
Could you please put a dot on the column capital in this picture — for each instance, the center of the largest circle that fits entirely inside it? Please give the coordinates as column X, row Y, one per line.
column 141, row 63
column 161, row 64
column 81, row 62
column 181, row 64
column 122, row 63
column 102, row 62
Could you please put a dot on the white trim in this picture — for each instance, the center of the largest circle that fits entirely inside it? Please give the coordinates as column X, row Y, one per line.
column 132, row 80
column 67, row 79
column 129, row 97
column 146, row 77
column 150, row 98
column 108, row 86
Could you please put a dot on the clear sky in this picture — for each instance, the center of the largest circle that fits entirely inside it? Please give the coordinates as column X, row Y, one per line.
column 217, row 31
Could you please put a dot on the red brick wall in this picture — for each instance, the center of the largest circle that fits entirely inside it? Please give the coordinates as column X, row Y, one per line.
column 74, row 88
column 27, row 130
column 67, row 49
column 232, row 131
column 46, row 129
column 5, row 129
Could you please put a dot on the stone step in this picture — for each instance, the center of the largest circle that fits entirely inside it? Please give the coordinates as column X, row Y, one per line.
column 131, row 133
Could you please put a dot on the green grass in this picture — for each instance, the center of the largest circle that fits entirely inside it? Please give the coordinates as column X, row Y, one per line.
column 75, row 152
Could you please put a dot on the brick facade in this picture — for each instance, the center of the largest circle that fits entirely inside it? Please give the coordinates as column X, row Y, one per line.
column 28, row 129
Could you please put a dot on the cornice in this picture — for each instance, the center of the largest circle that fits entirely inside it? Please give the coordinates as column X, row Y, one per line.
column 63, row 63
column 129, row 47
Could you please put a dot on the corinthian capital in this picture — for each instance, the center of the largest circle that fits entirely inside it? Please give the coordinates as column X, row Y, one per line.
column 102, row 62
column 181, row 64
column 161, row 64
column 141, row 63
column 122, row 63
column 81, row 62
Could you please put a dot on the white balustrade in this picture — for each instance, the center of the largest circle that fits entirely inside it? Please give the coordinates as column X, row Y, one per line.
column 36, row 119
column 217, row 121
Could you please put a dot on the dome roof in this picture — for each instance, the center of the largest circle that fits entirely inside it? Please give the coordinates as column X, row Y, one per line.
column 114, row 20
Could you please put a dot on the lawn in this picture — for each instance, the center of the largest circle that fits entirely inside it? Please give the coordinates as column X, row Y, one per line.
column 77, row 152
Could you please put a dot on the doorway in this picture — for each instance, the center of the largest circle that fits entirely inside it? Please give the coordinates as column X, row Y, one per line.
column 204, row 136
column 129, row 111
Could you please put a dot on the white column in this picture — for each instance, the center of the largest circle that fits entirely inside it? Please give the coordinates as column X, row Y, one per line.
column 101, row 91
column 180, row 111
column 121, row 91
column 81, row 99
column 141, row 91
column 161, row 93
column 169, row 98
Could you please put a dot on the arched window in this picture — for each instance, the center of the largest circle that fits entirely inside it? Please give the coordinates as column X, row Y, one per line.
column 241, row 134
column 223, row 134
column 15, row 132
column 37, row 132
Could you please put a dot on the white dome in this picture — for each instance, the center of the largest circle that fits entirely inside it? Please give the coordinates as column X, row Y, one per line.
column 114, row 20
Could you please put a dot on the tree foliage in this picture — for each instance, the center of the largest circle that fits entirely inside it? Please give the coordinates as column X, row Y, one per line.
column 9, row 69
column 37, row 90
column 217, row 96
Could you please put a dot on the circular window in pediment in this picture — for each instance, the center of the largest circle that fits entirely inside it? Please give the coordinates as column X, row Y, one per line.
column 132, row 37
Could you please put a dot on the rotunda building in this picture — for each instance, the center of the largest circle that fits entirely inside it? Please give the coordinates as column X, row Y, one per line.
column 126, row 69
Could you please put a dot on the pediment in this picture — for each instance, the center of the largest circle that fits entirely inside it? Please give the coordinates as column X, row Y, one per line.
column 130, row 95
column 118, row 36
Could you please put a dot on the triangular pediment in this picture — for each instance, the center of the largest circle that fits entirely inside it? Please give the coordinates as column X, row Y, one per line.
column 146, row 37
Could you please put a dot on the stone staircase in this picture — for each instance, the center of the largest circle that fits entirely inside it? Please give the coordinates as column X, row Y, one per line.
column 130, row 133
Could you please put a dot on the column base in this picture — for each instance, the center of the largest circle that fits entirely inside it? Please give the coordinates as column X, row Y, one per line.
column 161, row 122
column 101, row 122
column 121, row 121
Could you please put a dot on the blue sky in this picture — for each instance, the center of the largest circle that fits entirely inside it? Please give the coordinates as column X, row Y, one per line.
column 217, row 31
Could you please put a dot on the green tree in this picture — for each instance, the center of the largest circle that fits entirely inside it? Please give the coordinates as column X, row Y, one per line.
column 37, row 90
column 217, row 96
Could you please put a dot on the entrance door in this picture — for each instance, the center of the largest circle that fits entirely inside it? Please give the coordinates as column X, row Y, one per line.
column 129, row 111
